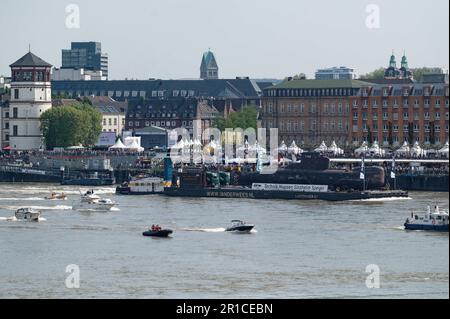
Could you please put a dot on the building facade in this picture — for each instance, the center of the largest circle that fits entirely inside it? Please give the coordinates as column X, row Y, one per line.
column 77, row 75
column 85, row 55
column 351, row 112
column 30, row 97
column 170, row 114
column 209, row 68
column 335, row 73
column 310, row 111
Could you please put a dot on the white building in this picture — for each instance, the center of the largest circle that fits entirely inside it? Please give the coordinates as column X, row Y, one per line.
column 81, row 74
column 335, row 73
column 30, row 97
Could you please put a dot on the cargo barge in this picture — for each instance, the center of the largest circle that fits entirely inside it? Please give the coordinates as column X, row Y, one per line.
column 243, row 192
column 198, row 182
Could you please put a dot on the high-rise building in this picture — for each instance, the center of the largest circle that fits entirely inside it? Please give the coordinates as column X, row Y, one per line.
column 30, row 97
column 335, row 73
column 209, row 68
column 86, row 55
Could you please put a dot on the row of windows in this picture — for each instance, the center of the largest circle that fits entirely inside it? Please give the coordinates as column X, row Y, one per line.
column 395, row 116
column 310, row 92
column 161, row 115
column 396, row 128
column 300, row 126
column 395, row 103
column 111, row 121
column 159, row 124
column 396, row 139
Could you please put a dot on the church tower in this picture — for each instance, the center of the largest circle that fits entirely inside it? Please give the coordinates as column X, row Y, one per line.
column 406, row 73
column 30, row 97
column 208, row 67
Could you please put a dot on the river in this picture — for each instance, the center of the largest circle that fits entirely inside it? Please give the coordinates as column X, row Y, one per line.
column 299, row 249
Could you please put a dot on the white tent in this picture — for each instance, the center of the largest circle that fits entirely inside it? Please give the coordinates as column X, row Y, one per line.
column 335, row 149
column 417, row 150
column 294, row 149
column 283, row 147
column 118, row 145
column 134, row 143
column 375, row 149
column 322, row 148
column 257, row 148
column 444, row 151
column 404, row 150
column 362, row 149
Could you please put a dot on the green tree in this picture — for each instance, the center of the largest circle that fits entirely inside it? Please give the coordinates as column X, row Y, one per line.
column 419, row 72
column 246, row 118
column 369, row 135
column 377, row 74
column 71, row 125
column 410, row 133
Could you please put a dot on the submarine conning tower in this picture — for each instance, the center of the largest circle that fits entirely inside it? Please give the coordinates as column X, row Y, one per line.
column 311, row 161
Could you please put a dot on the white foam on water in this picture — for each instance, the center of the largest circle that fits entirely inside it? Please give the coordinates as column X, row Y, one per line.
column 57, row 207
column 382, row 199
column 206, row 230
column 8, row 219
column 115, row 209
column 21, row 199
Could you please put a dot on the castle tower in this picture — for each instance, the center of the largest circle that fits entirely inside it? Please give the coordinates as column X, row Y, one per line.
column 30, row 97
column 209, row 68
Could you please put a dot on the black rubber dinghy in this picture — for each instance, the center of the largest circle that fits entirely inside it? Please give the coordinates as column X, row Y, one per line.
column 159, row 233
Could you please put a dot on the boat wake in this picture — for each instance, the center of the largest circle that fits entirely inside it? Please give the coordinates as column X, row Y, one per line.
column 205, row 230
column 115, row 209
column 14, row 219
column 21, row 199
column 383, row 199
column 57, row 207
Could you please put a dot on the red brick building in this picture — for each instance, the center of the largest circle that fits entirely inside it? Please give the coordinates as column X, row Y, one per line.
column 349, row 112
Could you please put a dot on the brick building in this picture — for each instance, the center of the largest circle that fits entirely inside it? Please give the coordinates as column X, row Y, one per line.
column 390, row 111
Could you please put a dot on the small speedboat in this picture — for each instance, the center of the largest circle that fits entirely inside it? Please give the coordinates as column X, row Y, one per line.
column 240, row 226
column 157, row 233
column 28, row 214
column 434, row 221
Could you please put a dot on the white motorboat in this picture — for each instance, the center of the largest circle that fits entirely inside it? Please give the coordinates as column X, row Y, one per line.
column 28, row 214
column 90, row 201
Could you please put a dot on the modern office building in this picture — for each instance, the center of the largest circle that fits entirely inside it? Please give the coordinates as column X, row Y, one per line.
column 85, row 55
column 335, row 73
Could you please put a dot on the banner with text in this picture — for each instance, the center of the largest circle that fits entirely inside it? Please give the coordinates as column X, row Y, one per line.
column 290, row 187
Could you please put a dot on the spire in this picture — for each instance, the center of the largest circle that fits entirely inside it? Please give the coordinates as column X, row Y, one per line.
column 392, row 62
column 404, row 61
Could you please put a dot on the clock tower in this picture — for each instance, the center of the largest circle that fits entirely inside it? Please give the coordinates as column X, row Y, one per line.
column 30, row 97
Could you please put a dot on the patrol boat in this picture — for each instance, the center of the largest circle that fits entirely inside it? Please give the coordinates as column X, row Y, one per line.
column 434, row 221
column 240, row 226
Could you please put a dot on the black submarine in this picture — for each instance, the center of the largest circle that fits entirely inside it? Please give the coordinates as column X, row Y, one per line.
column 311, row 179
column 315, row 169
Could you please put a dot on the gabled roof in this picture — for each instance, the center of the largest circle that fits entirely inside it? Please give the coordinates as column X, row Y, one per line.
column 30, row 59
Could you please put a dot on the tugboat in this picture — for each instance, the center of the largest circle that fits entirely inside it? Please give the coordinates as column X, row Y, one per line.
column 436, row 221
column 28, row 214
column 240, row 226
column 157, row 231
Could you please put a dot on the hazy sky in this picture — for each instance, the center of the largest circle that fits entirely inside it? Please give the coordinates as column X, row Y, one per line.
column 256, row 38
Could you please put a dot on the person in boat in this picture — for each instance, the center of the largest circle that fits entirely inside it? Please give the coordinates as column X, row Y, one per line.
column 153, row 227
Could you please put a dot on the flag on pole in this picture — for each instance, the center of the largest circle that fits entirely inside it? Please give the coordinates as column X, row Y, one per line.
column 393, row 168
column 361, row 174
